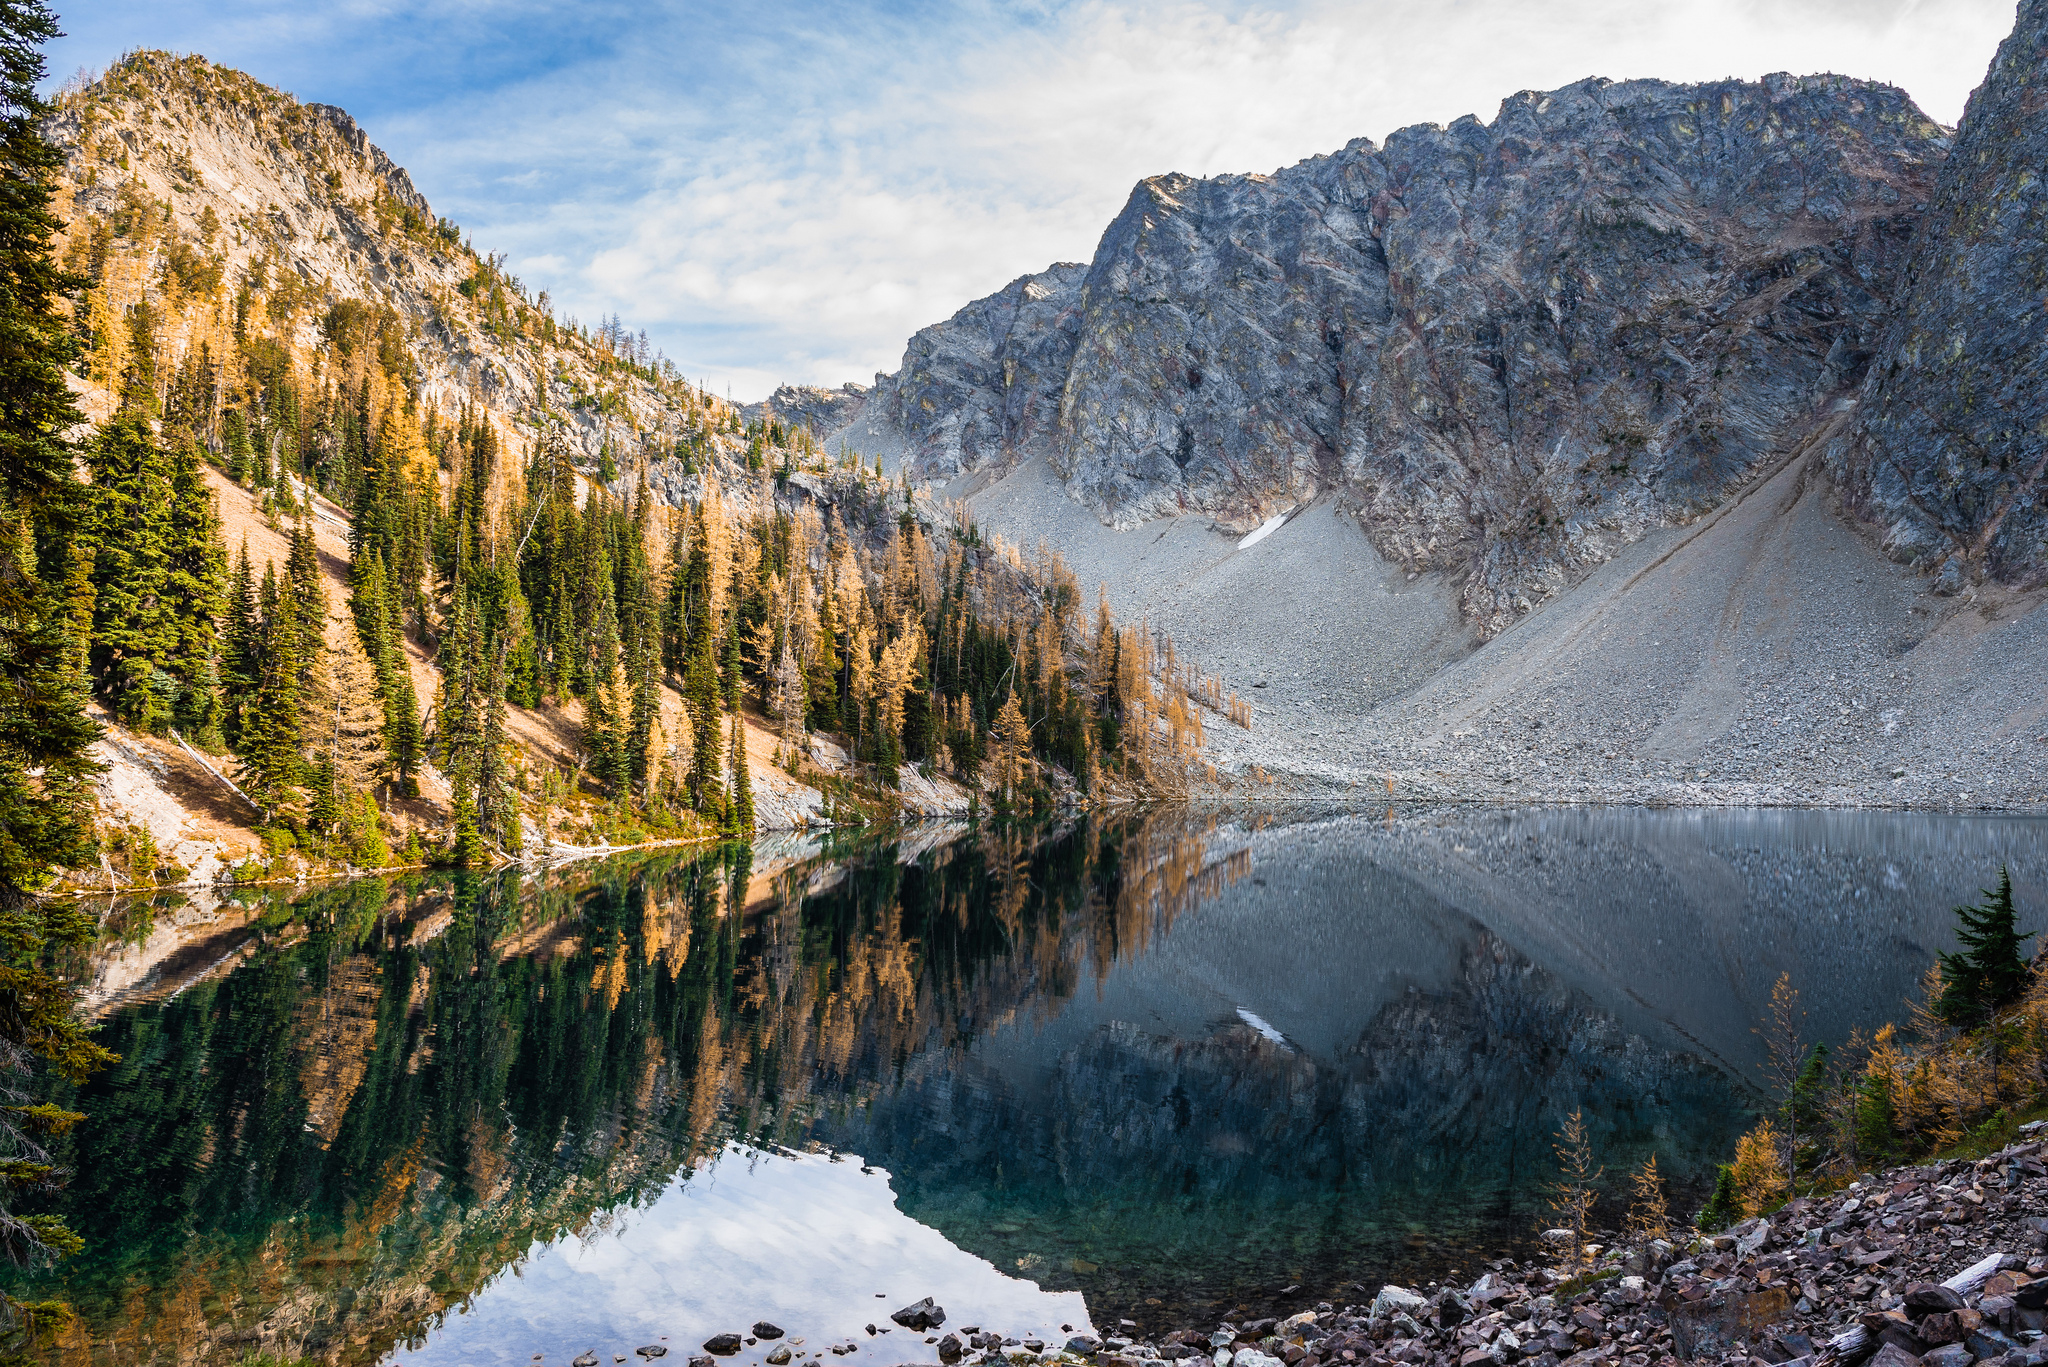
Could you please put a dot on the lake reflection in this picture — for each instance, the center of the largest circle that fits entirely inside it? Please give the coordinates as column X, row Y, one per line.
column 1172, row 1065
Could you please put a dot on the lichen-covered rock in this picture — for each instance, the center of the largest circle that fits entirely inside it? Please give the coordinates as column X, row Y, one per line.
column 1513, row 347
column 1952, row 433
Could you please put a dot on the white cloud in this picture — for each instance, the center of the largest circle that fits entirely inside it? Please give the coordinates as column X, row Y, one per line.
column 800, row 220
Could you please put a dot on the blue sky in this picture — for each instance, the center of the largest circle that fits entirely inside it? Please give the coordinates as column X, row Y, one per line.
column 787, row 191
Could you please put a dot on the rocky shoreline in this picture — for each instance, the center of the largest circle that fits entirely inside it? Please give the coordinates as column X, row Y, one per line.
column 1939, row 1265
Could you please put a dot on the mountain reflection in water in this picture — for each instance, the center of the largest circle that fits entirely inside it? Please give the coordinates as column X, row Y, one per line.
column 1174, row 1065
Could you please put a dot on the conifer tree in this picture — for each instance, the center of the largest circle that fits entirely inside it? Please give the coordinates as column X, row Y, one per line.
column 351, row 749
column 130, row 536
column 235, row 440
column 1012, row 746
column 404, row 735
column 308, row 597
column 238, row 646
column 272, row 728
column 742, row 823
column 195, row 594
column 45, row 770
column 1988, row 973
column 497, row 798
column 459, row 710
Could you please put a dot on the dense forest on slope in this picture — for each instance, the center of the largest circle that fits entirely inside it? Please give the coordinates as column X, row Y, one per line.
column 533, row 526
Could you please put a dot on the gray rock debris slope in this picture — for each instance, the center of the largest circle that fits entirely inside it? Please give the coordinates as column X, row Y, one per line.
column 1952, row 436
column 1513, row 348
column 1766, row 654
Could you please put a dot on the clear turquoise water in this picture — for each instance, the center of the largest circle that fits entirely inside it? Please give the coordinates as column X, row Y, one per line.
column 1152, row 1069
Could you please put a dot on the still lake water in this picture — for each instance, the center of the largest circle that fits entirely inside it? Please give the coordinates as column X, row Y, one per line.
column 1155, row 1069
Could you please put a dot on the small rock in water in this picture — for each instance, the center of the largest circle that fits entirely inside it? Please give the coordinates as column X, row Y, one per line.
column 778, row 1355
column 921, row 1316
column 951, row 1348
column 1083, row 1344
column 724, row 1345
column 588, row 1359
column 652, row 1350
column 765, row 1330
column 871, row 1331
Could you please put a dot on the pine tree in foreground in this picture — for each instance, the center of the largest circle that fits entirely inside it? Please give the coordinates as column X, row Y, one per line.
column 1988, row 973
column 45, row 768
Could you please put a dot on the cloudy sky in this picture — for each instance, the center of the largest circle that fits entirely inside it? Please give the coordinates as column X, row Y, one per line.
column 784, row 192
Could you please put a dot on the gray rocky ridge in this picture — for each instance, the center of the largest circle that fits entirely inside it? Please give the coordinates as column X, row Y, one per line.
column 1511, row 348
column 1650, row 443
column 1951, row 440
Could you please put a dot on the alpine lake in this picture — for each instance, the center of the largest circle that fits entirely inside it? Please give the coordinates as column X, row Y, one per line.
column 1165, row 1069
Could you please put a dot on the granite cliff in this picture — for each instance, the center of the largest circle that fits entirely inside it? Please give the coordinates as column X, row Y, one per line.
column 1510, row 348
column 1649, row 443
column 1951, row 438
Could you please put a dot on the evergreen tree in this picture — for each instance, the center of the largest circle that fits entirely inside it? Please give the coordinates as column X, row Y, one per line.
column 159, row 579
column 238, row 647
column 1988, row 973
column 45, row 770
column 130, row 534
column 272, row 764
column 497, row 796
column 195, row 594
column 459, row 711
column 742, row 824
column 405, row 736
column 308, row 597
column 376, row 619
column 235, row 439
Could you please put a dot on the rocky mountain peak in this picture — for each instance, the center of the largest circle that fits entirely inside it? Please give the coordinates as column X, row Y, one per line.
column 1508, row 348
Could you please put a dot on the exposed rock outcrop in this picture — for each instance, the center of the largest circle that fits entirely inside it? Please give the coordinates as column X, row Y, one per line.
column 815, row 409
column 983, row 388
column 1951, row 441
column 1514, row 347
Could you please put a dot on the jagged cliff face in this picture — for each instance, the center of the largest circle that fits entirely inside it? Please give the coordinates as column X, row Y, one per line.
column 983, row 388
column 1951, row 441
column 1512, row 348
